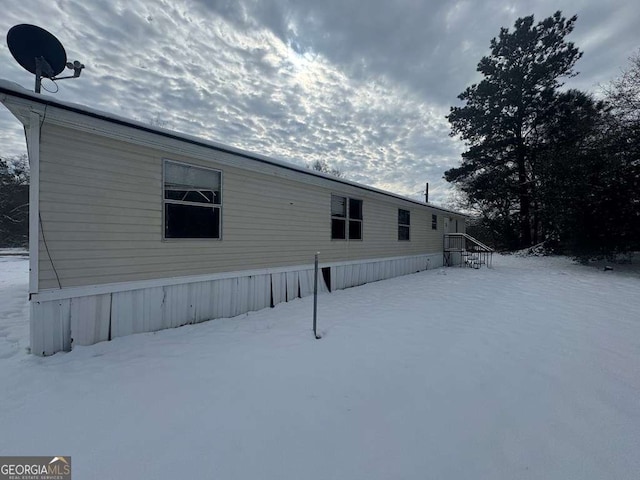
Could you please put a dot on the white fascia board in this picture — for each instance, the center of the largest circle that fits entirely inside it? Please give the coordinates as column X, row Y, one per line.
column 21, row 108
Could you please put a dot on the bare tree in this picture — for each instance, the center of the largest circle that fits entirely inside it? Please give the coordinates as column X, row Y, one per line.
column 623, row 93
column 158, row 121
column 324, row 167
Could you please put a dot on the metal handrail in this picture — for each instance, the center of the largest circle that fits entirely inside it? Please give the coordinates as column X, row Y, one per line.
column 471, row 239
column 457, row 242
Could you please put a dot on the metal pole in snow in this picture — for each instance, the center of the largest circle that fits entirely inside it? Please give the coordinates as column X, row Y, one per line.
column 315, row 297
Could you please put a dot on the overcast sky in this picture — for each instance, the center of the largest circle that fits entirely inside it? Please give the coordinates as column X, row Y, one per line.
column 364, row 85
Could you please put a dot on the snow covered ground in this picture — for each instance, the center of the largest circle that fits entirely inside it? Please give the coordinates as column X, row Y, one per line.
column 528, row 370
column 14, row 306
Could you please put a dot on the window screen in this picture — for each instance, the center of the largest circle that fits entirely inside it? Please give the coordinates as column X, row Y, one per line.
column 338, row 217
column 404, row 224
column 346, row 218
column 192, row 201
column 355, row 219
column 338, row 206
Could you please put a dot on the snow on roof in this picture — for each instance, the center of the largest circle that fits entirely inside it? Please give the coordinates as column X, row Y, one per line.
column 11, row 88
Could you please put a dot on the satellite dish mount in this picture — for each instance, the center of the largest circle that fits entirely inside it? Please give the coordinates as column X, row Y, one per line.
column 40, row 53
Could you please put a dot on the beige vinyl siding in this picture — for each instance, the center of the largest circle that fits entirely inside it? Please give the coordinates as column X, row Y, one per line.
column 101, row 210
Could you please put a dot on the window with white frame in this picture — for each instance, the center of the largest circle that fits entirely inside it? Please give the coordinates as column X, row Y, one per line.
column 434, row 222
column 404, row 224
column 346, row 218
column 192, row 201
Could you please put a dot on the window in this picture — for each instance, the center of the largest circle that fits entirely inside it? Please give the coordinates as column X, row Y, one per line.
column 434, row 222
column 355, row 219
column 338, row 218
column 192, row 201
column 404, row 224
column 346, row 218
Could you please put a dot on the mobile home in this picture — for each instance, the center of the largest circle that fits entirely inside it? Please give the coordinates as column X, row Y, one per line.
column 135, row 228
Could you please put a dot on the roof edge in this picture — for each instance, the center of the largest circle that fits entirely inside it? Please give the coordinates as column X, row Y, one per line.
column 13, row 89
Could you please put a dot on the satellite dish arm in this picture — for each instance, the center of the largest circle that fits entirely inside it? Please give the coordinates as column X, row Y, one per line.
column 42, row 69
column 77, row 70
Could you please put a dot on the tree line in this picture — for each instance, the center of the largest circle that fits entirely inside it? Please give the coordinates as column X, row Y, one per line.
column 14, row 202
column 543, row 163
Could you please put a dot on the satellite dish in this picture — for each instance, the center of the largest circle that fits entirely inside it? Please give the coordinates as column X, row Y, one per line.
column 40, row 53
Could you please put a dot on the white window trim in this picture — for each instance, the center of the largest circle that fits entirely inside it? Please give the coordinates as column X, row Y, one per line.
column 408, row 225
column 179, row 202
column 348, row 219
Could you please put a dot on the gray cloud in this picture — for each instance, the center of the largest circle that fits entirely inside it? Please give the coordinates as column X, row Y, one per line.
column 362, row 85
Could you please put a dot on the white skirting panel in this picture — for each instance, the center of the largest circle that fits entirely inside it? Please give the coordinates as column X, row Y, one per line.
column 136, row 311
column 279, row 287
column 291, row 279
column 58, row 325
column 90, row 319
column 50, row 326
column 345, row 276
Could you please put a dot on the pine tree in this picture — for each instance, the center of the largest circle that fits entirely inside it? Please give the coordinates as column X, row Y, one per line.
column 500, row 118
